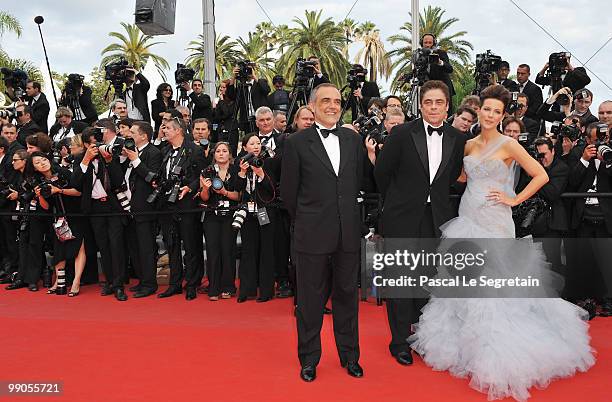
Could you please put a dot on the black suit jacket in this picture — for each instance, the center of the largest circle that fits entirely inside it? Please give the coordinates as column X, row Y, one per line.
column 192, row 162
column 323, row 206
column 27, row 129
column 369, row 90
column 510, row 85
column 556, row 217
column 202, row 106
column 575, row 79
column 581, row 179
column 443, row 72
column 139, row 95
column 151, row 159
column 402, row 175
column 158, row 106
column 40, row 111
column 532, row 126
column 84, row 182
column 534, row 94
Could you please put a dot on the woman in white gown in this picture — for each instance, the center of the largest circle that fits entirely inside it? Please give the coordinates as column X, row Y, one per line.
column 503, row 345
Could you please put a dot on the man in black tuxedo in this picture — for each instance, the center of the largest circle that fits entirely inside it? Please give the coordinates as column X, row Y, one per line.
column 9, row 131
column 26, row 126
column 181, row 165
column 250, row 95
column 200, row 103
column 322, row 175
column 140, row 165
column 135, row 95
column 99, row 180
column 419, row 163
column 82, row 107
column 363, row 93
column 502, row 77
column 533, row 92
column 443, row 69
column 39, row 104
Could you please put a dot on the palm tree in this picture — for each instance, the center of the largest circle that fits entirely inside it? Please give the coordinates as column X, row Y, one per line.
column 372, row 54
column 135, row 48
column 265, row 30
column 255, row 49
column 430, row 22
column 8, row 23
column 349, row 27
column 225, row 56
column 281, row 37
column 313, row 36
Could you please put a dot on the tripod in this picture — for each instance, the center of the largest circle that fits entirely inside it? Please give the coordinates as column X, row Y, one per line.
column 243, row 95
column 72, row 100
column 414, row 98
column 181, row 97
column 299, row 98
column 117, row 90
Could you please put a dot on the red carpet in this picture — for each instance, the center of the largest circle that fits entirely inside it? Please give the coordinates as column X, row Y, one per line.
column 173, row 350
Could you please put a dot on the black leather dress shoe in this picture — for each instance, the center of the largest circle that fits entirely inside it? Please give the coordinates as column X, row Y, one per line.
column 263, row 299
column 32, row 287
column 191, row 294
column 354, row 369
column 120, row 294
column 404, row 358
column 143, row 292
column 241, row 299
column 169, row 292
column 107, row 291
column 136, row 288
column 18, row 284
column 326, row 310
column 308, row 373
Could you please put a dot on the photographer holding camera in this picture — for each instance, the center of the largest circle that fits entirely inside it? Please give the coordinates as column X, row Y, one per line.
column 592, row 217
column 249, row 92
column 99, row 182
column 66, row 126
column 220, row 186
column 77, row 96
column 552, row 223
column 37, row 101
column 362, row 90
column 201, row 104
column 143, row 160
column 175, row 187
column 522, row 107
column 119, row 109
column 502, row 77
column 442, row 69
column 559, row 72
column 26, row 126
column 135, row 95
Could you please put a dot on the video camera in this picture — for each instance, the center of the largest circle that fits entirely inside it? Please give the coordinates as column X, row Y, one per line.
column 487, row 63
column 73, row 86
column 170, row 186
column 245, row 70
column 15, row 79
column 356, row 75
column 117, row 73
column 557, row 66
column 304, row 71
column 183, row 74
column 421, row 61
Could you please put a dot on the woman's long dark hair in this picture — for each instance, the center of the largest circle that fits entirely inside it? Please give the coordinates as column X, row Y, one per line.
column 30, row 171
column 160, row 90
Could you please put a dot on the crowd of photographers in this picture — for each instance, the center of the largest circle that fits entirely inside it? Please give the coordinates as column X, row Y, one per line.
column 200, row 169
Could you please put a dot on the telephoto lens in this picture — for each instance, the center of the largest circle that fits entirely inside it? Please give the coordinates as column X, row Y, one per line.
column 239, row 217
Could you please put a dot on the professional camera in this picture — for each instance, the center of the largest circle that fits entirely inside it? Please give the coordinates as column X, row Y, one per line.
column 513, row 105
column 73, row 86
column 421, row 61
column 371, row 125
column 304, row 71
column 130, row 144
column 170, row 186
column 355, row 76
column 117, row 74
column 557, row 66
column 16, row 79
column 239, row 217
column 116, row 148
column 487, row 63
column 257, row 161
column 7, row 113
column 183, row 74
column 204, row 143
column 245, row 70
column 560, row 130
column 5, row 189
column 212, row 174
column 527, row 213
column 45, row 188
column 603, row 143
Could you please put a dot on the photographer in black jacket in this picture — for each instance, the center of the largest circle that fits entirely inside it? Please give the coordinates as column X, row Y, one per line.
column 201, row 105
column 249, row 92
column 77, row 96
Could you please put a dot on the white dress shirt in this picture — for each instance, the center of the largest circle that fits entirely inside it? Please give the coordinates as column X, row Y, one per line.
column 269, row 140
column 593, row 188
column 97, row 190
column 133, row 112
column 332, row 147
column 133, row 165
column 434, row 153
column 63, row 133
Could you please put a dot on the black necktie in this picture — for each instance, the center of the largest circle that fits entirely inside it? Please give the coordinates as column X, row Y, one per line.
column 431, row 130
column 325, row 132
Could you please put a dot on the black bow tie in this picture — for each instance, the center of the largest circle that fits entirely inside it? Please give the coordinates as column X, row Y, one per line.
column 325, row 132
column 431, row 130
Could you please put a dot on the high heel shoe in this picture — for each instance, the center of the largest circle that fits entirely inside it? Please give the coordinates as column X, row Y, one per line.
column 73, row 294
column 51, row 291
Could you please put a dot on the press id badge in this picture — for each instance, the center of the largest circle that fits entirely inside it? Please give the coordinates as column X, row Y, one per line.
column 251, row 207
column 262, row 216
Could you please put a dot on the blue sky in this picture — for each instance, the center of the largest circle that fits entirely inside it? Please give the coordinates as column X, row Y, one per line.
column 76, row 31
